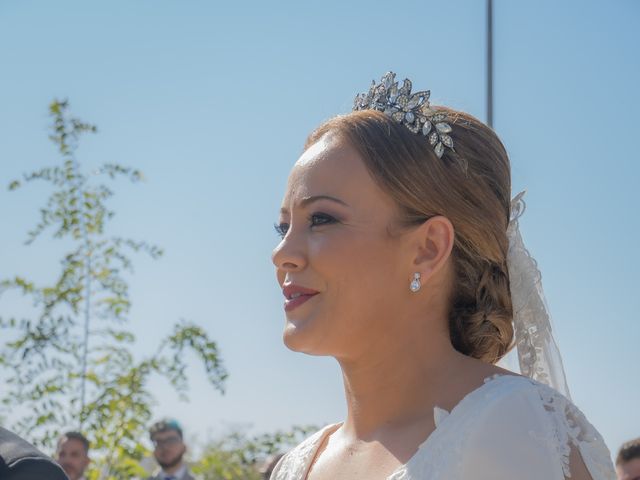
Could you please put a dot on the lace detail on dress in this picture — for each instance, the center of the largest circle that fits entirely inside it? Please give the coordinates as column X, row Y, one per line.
column 571, row 427
column 294, row 464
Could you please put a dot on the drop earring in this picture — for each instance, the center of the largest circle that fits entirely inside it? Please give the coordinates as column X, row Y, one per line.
column 415, row 283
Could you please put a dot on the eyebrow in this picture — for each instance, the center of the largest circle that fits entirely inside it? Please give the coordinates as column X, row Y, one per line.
column 306, row 201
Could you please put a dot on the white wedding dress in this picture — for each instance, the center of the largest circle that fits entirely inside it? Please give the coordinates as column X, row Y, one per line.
column 511, row 427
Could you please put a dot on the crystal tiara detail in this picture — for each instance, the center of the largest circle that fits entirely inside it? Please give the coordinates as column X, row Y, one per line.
column 410, row 109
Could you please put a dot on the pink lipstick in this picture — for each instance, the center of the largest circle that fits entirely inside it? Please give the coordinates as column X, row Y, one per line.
column 296, row 296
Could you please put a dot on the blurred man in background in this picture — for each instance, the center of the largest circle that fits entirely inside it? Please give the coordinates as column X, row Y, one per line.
column 72, row 453
column 169, row 450
column 269, row 465
column 628, row 461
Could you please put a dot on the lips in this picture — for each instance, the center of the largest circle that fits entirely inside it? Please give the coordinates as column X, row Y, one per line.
column 296, row 295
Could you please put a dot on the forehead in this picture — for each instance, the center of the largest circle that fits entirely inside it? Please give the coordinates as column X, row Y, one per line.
column 69, row 444
column 331, row 166
column 629, row 469
column 166, row 434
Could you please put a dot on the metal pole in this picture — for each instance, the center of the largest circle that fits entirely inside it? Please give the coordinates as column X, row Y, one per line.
column 490, row 63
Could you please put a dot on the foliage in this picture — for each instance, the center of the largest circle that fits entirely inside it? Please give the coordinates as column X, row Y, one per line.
column 237, row 456
column 73, row 365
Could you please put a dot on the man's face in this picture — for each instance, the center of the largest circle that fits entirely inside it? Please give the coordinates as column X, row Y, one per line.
column 629, row 470
column 72, row 457
column 169, row 448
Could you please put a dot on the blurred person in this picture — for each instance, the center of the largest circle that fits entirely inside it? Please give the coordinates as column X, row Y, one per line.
column 169, row 450
column 72, row 453
column 628, row 460
column 19, row 460
column 267, row 467
column 400, row 256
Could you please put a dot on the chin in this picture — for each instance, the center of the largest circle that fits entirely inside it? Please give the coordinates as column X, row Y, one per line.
column 294, row 339
column 299, row 337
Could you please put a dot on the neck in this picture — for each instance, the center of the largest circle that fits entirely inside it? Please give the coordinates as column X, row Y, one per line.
column 398, row 382
column 174, row 469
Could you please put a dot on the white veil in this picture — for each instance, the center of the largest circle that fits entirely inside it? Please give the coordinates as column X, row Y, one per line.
column 538, row 356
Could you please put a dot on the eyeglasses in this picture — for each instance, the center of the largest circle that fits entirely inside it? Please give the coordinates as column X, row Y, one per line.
column 169, row 441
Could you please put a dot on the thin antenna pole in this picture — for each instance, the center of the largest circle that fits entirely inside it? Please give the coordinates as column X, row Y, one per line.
column 490, row 63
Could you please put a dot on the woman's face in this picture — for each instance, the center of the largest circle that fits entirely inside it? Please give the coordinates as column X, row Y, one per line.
column 343, row 274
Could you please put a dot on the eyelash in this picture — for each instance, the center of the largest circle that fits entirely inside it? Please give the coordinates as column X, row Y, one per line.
column 283, row 228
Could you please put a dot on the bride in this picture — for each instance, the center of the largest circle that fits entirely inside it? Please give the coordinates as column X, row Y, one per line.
column 396, row 256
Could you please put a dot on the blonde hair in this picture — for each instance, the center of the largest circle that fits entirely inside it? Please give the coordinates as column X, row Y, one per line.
column 471, row 186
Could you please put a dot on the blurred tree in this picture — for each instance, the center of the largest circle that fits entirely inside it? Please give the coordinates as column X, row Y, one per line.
column 73, row 364
column 237, row 456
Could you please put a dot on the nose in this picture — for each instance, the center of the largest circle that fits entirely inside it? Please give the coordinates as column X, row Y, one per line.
column 289, row 255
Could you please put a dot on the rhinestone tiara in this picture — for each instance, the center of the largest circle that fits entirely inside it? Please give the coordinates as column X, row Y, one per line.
column 410, row 109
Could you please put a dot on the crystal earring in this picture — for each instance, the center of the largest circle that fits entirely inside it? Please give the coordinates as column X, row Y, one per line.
column 415, row 283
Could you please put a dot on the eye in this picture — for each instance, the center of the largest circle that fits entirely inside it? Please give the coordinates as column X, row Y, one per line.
column 281, row 228
column 315, row 220
column 318, row 219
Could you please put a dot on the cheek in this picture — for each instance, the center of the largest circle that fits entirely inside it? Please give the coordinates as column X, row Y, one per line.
column 336, row 259
column 360, row 271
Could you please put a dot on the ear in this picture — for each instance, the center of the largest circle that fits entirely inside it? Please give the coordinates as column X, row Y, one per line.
column 434, row 241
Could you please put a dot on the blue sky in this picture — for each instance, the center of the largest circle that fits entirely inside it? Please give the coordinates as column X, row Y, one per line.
column 213, row 102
